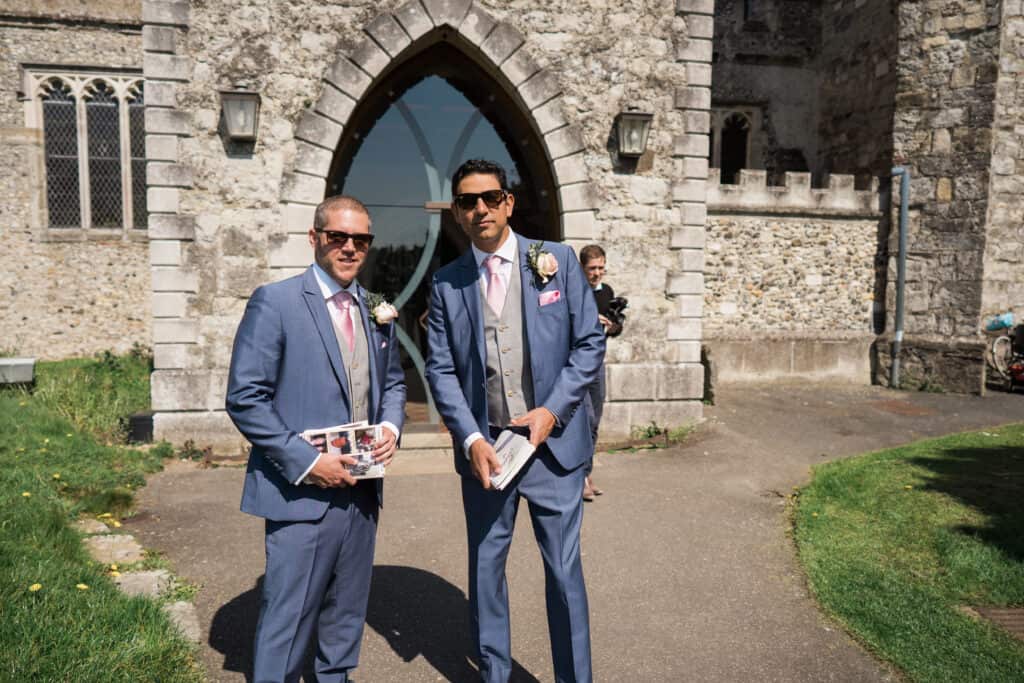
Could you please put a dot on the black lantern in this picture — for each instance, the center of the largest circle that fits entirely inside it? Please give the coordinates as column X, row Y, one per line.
column 241, row 109
column 633, row 127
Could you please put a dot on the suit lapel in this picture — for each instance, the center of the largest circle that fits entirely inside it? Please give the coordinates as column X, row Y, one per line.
column 471, row 297
column 373, row 351
column 529, row 287
column 322, row 319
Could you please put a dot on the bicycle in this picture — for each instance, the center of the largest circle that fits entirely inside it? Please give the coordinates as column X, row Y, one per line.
column 1006, row 355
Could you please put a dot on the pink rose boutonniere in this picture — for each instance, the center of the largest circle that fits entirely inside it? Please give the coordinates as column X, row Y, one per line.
column 381, row 310
column 543, row 263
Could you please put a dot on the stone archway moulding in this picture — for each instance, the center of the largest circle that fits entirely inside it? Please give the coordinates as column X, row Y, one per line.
column 389, row 38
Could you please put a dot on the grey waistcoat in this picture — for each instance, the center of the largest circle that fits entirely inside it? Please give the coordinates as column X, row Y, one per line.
column 357, row 366
column 509, row 379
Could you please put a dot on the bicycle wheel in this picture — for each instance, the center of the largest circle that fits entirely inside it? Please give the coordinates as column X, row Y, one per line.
column 1002, row 355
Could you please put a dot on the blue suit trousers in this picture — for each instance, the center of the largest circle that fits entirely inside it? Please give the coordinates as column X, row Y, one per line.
column 556, row 510
column 317, row 579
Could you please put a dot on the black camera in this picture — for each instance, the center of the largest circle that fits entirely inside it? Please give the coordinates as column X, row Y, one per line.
column 616, row 310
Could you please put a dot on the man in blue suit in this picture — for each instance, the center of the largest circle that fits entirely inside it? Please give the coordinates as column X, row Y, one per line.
column 311, row 353
column 514, row 340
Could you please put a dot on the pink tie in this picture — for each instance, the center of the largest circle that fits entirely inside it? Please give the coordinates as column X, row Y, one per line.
column 343, row 300
column 495, row 287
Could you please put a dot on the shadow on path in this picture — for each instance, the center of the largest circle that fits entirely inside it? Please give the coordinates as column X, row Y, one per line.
column 417, row 612
column 422, row 614
column 989, row 480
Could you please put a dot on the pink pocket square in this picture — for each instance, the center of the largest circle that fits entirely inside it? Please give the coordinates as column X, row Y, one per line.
column 550, row 297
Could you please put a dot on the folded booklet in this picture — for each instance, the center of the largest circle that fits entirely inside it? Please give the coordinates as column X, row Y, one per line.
column 356, row 439
column 513, row 451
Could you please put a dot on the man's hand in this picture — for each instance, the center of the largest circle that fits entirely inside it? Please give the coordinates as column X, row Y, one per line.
column 540, row 421
column 483, row 461
column 605, row 322
column 329, row 471
column 384, row 451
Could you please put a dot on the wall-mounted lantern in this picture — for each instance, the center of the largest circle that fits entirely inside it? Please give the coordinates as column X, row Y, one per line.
column 241, row 110
column 633, row 127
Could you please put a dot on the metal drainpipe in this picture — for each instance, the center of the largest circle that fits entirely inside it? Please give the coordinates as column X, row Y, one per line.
column 901, row 272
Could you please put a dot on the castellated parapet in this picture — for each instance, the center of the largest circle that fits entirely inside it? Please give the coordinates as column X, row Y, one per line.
column 753, row 195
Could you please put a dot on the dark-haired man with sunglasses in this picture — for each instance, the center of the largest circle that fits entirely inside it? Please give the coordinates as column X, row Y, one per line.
column 307, row 355
column 514, row 341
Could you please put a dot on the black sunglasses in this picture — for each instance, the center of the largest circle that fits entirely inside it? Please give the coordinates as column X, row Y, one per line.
column 337, row 238
column 468, row 200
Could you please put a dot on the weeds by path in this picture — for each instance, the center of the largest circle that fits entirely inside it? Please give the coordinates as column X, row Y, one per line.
column 61, row 618
column 899, row 544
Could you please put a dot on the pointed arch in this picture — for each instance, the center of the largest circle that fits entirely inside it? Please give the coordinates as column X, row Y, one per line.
column 392, row 40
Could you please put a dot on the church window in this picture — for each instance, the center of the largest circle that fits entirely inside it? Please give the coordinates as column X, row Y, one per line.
column 93, row 149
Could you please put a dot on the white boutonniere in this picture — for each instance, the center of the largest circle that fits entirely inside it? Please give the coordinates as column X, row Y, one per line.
column 543, row 263
column 380, row 309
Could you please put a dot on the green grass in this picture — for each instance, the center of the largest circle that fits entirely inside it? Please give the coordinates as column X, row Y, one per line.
column 54, row 447
column 897, row 543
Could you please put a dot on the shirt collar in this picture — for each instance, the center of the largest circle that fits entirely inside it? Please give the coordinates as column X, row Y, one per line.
column 600, row 285
column 506, row 251
column 329, row 286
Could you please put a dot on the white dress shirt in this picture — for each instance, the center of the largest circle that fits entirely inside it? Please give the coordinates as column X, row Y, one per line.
column 507, row 253
column 329, row 287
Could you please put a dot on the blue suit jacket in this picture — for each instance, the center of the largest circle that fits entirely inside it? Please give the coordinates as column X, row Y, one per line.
column 287, row 376
column 566, row 345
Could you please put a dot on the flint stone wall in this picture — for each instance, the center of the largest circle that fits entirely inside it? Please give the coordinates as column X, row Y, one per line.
column 789, row 278
column 62, row 299
column 239, row 220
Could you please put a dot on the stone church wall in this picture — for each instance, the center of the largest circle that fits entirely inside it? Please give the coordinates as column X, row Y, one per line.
column 857, row 67
column 789, row 278
column 768, row 60
column 223, row 224
column 60, row 296
column 1003, row 288
column 945, row 101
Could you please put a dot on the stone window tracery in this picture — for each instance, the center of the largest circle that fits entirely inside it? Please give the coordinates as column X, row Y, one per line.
column 93, row 148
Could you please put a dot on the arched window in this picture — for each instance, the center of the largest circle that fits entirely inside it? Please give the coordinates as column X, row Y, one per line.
column 60, row 140
column 735, row 145
column 736, row 140
column 94, row 149
column 137, row 150
column 104, row 136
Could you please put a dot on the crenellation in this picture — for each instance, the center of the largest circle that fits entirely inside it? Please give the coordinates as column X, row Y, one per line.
column 753, row 194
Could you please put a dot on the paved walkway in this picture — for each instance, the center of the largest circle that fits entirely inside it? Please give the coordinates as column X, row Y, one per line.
column 690, row 571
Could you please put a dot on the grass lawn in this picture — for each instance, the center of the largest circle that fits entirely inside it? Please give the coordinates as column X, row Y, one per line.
column 61, row 617
column 896, row 544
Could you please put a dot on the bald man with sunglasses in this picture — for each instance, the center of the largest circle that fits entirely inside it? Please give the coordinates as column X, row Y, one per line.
column 308, row 354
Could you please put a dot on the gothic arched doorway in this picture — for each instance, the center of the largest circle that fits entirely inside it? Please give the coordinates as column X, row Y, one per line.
column 397, row 155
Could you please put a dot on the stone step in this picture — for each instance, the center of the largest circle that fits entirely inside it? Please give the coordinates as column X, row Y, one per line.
column 150, row 584
column 183, row 615
column 421, row 439
column 114, row 549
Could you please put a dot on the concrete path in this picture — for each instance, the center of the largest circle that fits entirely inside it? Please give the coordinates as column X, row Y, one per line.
column 690, row 571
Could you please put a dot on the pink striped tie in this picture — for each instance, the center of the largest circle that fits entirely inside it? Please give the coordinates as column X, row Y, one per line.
column 495, row 287
column 343, row 300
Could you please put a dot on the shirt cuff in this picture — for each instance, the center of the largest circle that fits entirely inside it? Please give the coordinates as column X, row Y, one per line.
column 470, row 440
column 302, row 479
column 393, row 428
